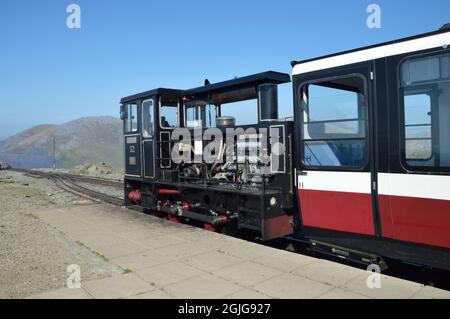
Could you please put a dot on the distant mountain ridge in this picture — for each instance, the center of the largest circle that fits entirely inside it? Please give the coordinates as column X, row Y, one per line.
column 85, row 140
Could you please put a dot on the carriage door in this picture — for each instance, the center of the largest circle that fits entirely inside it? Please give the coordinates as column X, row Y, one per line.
column 148, row 133
column 415, row 192
column 335, row 177
column 132, row 141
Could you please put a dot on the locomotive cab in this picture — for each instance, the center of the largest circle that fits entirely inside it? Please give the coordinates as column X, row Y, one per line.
column 144, row 116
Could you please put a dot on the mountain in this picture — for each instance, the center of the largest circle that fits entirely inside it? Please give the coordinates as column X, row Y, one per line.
column 89, row 139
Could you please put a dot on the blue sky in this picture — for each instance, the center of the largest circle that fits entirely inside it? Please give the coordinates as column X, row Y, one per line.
column 52, row 74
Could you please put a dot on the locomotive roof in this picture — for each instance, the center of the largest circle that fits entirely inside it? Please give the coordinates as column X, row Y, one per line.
column 246, row 81
column 419, row 42
column 146, row 94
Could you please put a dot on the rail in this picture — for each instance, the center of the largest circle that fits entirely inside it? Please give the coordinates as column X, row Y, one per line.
column 68, row 182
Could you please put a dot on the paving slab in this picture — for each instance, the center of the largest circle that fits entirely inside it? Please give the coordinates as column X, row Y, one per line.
column 247, row 293
column 288, row 286
column 122, row 248
column 338, row 293
column 245, row 250
column 64, row 293
column 431, row 293
column 212, row 261
column 169, row 260
column 327, row 272
column 390, row 287
column 205, row 286
column 168, row 273
column 188, row 249
column 119, row 228
column 247, row 273
column 137, row 235
column 61, row 220
column 141, row 260
column 121, row 286
column 162, row 241
column 96, row 239
column 284, row 260
column 156, row 294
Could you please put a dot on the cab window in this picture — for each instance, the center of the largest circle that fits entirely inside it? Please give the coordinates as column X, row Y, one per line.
column 131, row 124
column 168, row 113
column 200, row 116
column 148, row 118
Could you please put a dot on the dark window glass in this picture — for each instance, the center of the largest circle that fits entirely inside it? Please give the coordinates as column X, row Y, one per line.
column 349, row 153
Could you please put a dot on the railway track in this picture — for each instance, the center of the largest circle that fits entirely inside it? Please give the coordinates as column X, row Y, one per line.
column 69, row 183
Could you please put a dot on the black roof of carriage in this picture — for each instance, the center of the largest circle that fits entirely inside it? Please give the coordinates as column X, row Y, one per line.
column 251, row 80
column 147, row 94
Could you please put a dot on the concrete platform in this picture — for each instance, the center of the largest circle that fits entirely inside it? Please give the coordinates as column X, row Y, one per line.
column 161, row 259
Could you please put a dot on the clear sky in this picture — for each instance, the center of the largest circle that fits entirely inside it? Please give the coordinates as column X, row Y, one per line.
column 52, row 74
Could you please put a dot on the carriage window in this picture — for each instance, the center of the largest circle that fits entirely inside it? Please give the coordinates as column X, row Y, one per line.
column 169, row 116
column 147, row 118
column 334, row 123
column 425, row 98
column 131, row 118
column 418, row 127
